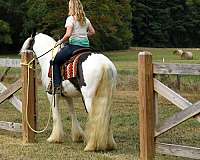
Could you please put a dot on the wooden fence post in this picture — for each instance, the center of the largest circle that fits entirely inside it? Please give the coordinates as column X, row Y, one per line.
column 28, row 103
column 146, row 106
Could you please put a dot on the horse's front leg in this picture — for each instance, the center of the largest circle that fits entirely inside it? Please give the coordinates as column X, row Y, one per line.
column 57, row 132
column 76, row 130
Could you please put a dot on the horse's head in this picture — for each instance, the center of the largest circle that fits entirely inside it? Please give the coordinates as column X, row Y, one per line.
column 28, row 44
column 39, row 43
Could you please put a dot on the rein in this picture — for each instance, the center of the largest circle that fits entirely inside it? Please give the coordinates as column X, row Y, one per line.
column 47, row 51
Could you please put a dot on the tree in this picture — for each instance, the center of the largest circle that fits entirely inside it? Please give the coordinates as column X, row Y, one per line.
column 140, row 23
column 5, row 35
column 164, row 23
column 111, row 20
column 12, row 12
column 192, row 22
column 178, row 12
column 46, row 16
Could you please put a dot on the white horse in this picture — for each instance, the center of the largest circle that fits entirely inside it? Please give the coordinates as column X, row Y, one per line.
column 99, row 75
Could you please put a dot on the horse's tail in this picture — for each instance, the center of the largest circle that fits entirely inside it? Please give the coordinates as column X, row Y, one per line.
column 99, row 134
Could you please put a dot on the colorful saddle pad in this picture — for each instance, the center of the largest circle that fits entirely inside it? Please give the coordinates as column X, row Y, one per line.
column 70, row 68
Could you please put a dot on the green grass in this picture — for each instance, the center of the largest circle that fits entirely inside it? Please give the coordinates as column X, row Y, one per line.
column 125, row 116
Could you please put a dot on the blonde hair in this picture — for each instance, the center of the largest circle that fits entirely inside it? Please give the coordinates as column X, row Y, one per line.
column 76, row 9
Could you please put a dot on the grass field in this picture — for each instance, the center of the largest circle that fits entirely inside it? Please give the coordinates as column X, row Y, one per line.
column 125, row 116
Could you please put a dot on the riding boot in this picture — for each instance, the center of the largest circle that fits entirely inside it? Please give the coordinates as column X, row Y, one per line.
column 49, row 88
column 57, row 90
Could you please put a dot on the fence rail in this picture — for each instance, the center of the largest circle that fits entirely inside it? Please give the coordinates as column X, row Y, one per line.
column 176, row 69
column 28, row 104
column 14, row 63
column 149, row 88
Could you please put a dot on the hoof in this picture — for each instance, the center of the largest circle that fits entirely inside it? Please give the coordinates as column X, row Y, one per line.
column 77, row 138
column 86, row 149
column 89, row 148
column 54, row 140
column 92, row 148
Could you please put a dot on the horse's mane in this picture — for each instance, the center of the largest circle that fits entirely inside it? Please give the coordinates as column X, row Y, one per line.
column 43, row 35
column 26, row 44
column 38, row 36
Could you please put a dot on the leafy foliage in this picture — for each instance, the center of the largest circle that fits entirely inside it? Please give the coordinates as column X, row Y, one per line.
column 12, row 12
column 112, row 21
column 166, row 23
column 5, row 36
column 113, row 30
column 118, row 23
column 193, row 23
column 46, row 15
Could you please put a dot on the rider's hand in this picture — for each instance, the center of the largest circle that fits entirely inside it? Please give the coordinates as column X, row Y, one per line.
column 59, row 42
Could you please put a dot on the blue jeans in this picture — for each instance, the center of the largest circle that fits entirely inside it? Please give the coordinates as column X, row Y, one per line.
column 62, row 56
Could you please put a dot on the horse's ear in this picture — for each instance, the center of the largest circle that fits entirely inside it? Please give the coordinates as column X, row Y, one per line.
column 33, row 33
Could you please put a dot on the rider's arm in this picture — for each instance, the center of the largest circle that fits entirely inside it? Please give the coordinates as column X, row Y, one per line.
column 68, row 34
column 91, row 30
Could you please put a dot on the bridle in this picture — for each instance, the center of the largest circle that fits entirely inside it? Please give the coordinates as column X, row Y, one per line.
column 32, row 41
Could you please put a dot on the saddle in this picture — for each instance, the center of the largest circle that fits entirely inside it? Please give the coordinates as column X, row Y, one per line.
column 70, row 68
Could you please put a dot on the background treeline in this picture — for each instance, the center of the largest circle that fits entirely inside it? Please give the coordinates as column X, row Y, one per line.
column 119, row 24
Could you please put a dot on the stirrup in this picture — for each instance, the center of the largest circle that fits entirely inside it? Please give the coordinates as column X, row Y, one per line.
column 57, row 90
column 49, row 88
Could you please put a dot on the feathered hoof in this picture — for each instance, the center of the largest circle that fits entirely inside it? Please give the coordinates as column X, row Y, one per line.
column 92, row 148
column 89, row 148
column 112, row 147
column 52, row 139
column 77, row 138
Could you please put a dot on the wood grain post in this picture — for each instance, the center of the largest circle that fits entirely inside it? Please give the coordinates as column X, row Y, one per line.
column 146, row 106
column 28, row 136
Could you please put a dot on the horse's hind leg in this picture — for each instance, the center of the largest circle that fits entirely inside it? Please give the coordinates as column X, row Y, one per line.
column 76, row 130
column 98, row 131
column 57, row 132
